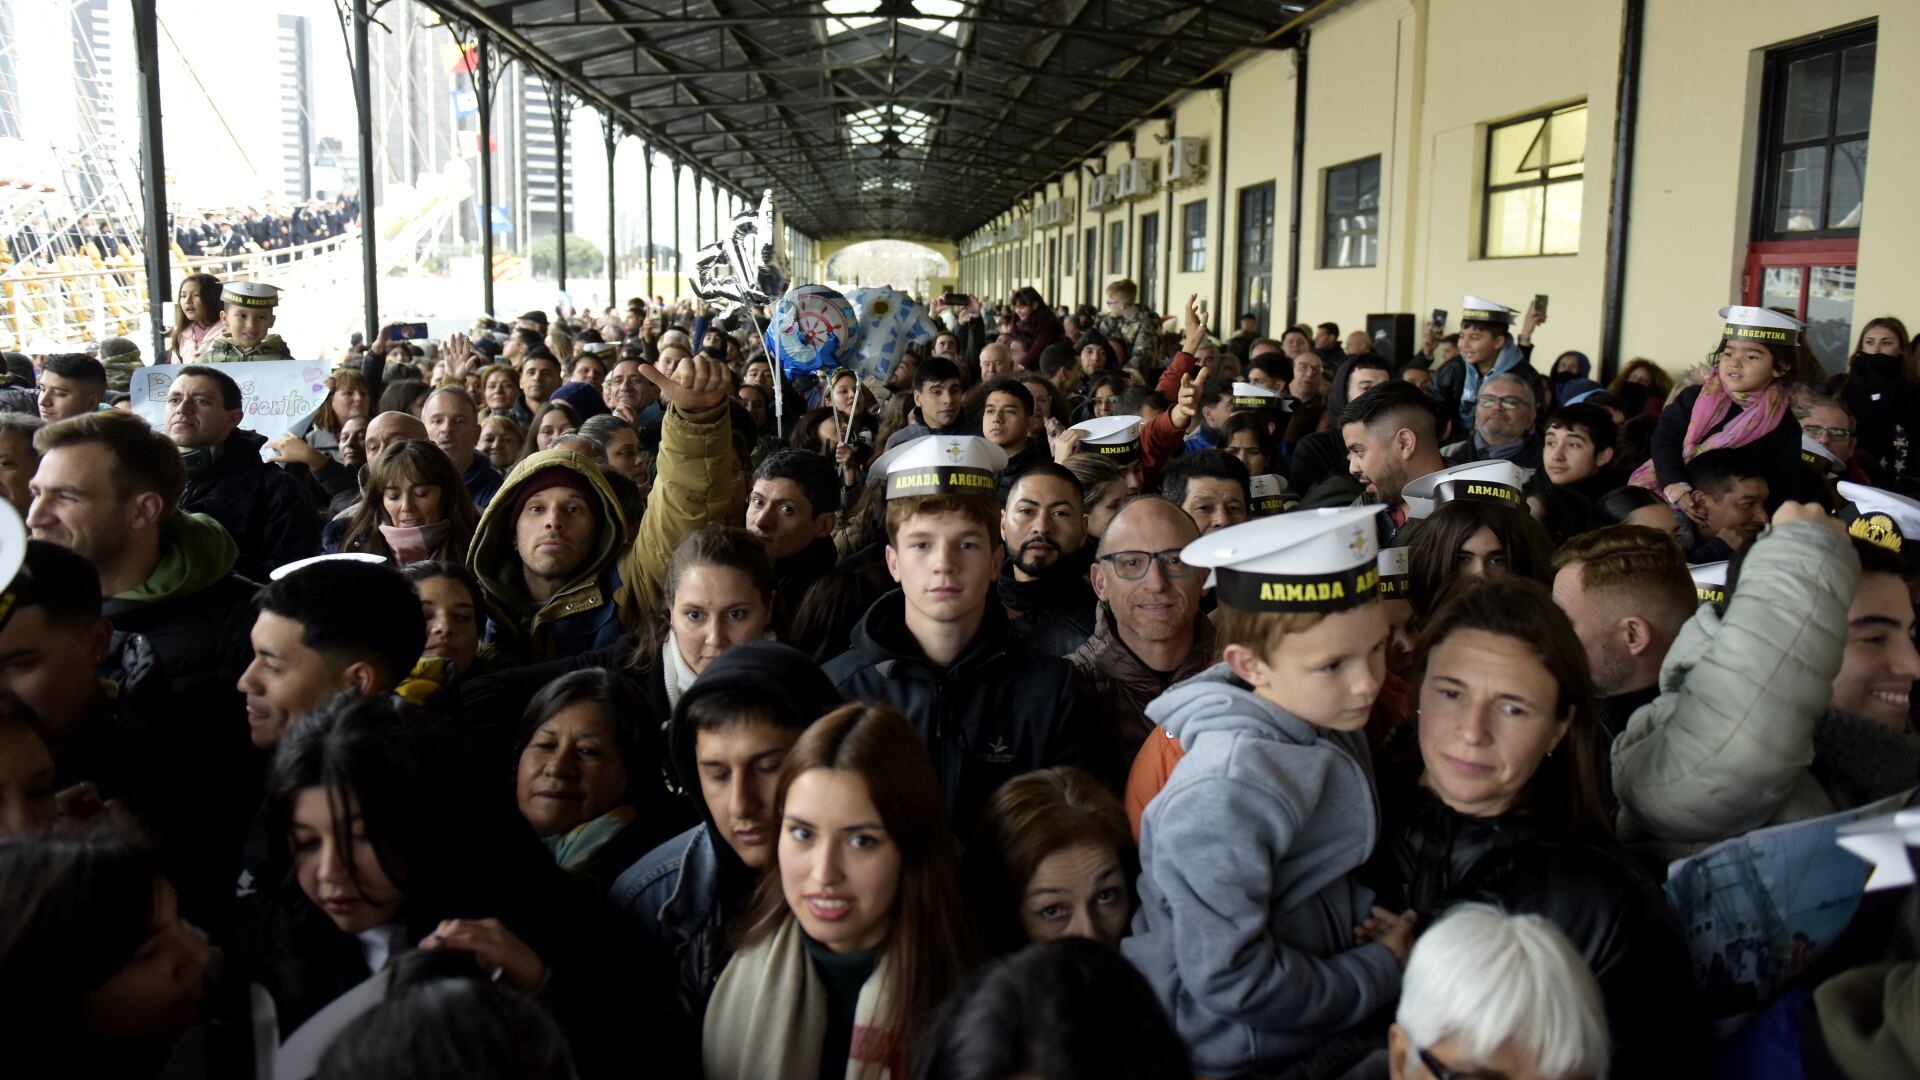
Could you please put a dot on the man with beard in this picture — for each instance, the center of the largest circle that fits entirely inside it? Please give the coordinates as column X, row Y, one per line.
column 1392, row 438
column 1149, row 632
column 1042, row 582
column 1627, row 592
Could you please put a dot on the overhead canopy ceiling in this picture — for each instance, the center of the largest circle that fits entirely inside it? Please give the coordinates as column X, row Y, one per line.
column 906, row 118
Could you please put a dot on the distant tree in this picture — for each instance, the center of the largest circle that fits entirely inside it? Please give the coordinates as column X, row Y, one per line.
column 584, row 258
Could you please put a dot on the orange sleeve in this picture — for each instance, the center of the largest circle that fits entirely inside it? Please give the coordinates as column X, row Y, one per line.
column 1151, row 768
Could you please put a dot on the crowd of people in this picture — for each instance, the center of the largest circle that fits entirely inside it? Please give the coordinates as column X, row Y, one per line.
column 1082, row 696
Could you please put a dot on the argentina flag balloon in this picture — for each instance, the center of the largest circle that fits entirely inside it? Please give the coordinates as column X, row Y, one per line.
column 890, row 320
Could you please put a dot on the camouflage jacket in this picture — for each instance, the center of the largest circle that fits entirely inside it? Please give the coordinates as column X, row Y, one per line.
column 1141, row 333
column 220, row 349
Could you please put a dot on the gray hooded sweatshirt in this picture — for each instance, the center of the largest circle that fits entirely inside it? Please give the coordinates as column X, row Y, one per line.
column 1247, row 909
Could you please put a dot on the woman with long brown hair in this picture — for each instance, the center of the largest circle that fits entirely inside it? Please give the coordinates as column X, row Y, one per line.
column 1039, row 322
column 414, row 507
column 348, row 396
column 1052, row 857
column 852, row 944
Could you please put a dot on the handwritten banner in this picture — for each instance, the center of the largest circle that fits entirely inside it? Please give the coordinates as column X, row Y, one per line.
column 274, row 394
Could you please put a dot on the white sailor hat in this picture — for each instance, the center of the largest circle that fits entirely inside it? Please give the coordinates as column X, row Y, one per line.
column 1883, row 841
column 1393, row 572
column 1268, row 494
column 1760, row 324
column 1710, row 581
column 1309, row 560
column 1248, row 395
column 1475, row 309
column 250, row 294
column 298, row 565
column 1880, row 517
column 1496, row 481
column 941, row 465
column 1820, row 458
column 596, row 348
column 1116, row 438
column 13, row 556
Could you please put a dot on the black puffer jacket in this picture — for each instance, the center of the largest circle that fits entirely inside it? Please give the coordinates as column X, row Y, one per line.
column 268, row 511
column 1430, row 858
column 1053, row 615
column 999, row 710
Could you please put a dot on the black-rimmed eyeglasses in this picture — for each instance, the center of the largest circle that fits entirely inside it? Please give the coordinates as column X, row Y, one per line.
column 1133, row 565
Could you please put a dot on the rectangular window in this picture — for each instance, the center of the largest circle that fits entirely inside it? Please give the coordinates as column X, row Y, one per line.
column 1253, row 274
column 1350, row 214
column 1193, row 234
column 1535, row 171
column 1069, row 253
column 1813, row 165
column 1117, row 248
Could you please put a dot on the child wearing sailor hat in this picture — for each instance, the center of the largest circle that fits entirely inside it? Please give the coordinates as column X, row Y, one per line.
column 247, row 332
column 1247, row 934
column 1744, row 402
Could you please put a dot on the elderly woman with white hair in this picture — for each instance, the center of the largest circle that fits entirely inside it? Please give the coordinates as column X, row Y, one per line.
column 1491, row 994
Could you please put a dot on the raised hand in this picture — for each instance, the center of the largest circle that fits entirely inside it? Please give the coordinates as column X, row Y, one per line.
column 1066, row 443
column 495, row 947
column 697, row 383
column 1187, row 404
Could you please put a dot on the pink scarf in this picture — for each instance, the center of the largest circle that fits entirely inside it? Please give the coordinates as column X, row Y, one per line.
column 413, row 543
column 1759, row 414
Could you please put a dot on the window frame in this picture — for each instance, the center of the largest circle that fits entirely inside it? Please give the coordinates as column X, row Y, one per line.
column 1488, row 189
column 1773, row 105
column 1327, row 217
column 1193, row 258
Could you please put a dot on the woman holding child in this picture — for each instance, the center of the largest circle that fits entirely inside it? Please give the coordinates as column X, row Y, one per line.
column 1495, row 797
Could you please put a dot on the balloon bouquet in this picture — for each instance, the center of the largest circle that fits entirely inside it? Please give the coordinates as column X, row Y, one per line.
column 814, row 328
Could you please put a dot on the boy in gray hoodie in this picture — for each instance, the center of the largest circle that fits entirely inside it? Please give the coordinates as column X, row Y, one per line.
column 1251, row 930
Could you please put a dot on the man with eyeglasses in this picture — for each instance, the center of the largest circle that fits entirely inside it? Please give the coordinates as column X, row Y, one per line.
column 1503, row 422
column 1149, row 632
column 1828, row 423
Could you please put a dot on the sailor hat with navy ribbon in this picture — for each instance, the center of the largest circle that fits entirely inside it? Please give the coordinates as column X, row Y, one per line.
column 1496, row 481
column 940, row 465
column 1710, row 581
column 1269, row 494
column 1248, row 395
column 250, row 294
column 1309, row 560
column 1115, row 438
column 1763, row 325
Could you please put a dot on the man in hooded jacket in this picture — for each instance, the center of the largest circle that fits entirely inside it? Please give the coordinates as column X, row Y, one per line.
column 549, row 554
column 684, row 892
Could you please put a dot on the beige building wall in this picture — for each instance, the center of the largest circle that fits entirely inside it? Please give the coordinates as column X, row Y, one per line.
column 1413, row 81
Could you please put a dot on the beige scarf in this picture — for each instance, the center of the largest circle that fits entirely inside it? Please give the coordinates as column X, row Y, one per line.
column 768, row 1017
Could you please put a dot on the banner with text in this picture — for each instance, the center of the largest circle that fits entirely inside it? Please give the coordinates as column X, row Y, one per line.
column 274, row 394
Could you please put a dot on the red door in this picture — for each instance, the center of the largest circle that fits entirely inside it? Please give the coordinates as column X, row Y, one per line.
column 1814, row 281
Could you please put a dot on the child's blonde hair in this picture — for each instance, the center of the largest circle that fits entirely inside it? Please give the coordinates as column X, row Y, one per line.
column 1262, row 631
